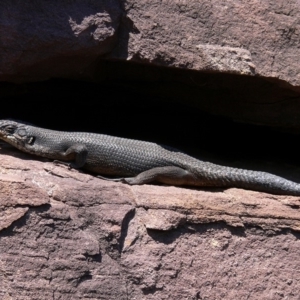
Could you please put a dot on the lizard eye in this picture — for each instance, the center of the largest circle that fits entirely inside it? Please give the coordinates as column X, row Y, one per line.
column 10, row 129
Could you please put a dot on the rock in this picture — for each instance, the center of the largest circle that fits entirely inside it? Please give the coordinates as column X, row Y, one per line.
column 65, row 234
column 173, row 33
column 162, row 219
column 66, row 39
column 68, row 235
column 58, row 39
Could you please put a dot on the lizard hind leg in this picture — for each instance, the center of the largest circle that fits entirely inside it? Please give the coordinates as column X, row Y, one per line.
column 167, row 175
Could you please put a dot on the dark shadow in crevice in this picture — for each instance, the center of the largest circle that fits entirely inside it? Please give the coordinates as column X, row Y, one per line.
column 170, row 236
column 85, row 277
column 124, row 228
column 151, row 290
column 95, row 258
column 220, row 118
column 22, row 221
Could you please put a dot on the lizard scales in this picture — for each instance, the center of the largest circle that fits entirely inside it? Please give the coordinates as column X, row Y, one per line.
column 136, row 162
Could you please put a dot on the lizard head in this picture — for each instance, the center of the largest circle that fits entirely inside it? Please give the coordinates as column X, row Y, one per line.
column 15, row 133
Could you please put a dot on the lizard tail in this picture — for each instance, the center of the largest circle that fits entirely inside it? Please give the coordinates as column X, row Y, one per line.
column 215, row 175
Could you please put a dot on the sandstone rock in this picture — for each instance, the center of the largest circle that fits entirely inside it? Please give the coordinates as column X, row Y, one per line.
column 163, row 219
column 68, row 235
column 65, row 39
column 174, row 32
column 61, row 38
column 65, row 234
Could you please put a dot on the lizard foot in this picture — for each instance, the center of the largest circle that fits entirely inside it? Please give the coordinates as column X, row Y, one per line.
column 121, row 179
column 59, row 162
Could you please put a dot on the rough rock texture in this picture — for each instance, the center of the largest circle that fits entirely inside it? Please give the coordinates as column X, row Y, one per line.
column 245, row 37
column 43, row 39
column 62, row 38
column 68, row 235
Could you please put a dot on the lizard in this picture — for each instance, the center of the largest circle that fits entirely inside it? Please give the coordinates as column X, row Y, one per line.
column 136, row 162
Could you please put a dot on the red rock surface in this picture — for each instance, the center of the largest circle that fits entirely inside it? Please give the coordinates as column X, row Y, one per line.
column 61, row 38
column 68, row 235
column 245, row 37
column 65, row 234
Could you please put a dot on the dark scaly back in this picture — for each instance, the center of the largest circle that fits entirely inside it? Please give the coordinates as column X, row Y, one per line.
column 106, row 154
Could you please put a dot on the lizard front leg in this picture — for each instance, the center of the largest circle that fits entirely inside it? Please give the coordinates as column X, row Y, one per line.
column 78, row 153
